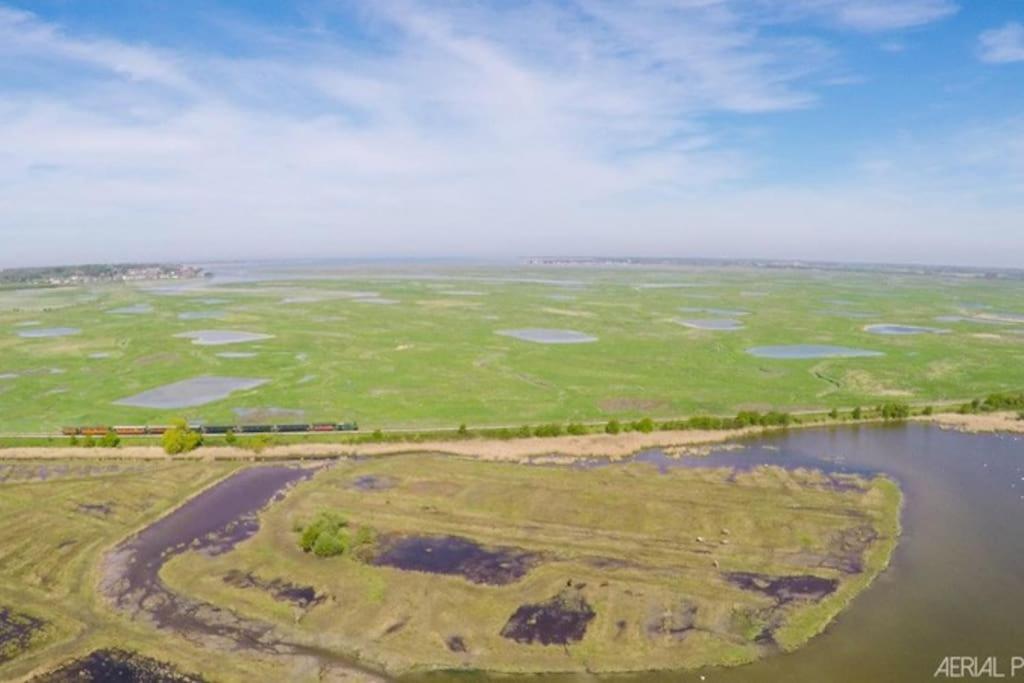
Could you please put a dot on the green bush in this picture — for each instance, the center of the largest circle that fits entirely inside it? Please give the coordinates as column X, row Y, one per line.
column 645, row 425
column 548, row 430
column 613, row 427
column 328, row 536
column 180, row 439
column 329, row 545
column 110, row 440
column 576, row 429
column 894, row 411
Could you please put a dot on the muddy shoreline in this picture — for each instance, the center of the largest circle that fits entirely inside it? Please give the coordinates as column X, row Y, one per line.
column 212, row 522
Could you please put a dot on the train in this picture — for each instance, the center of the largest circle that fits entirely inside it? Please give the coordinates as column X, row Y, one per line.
column 142, row 430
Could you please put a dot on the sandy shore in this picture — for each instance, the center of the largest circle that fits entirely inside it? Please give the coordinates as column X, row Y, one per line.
column 590, row 445
column 986, row 422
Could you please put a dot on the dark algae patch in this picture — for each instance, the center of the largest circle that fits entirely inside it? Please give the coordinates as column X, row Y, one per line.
column 16, row 632
column 456, row 555
column 300, row 596
column 117, row 666
column 561, row 620
column 784, row 588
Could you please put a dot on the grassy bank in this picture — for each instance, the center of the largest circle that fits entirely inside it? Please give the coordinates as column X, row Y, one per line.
column 651, row 554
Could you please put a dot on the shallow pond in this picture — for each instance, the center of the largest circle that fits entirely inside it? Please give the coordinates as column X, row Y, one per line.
column 720, row 324
column 43, row 332
column 200, row 315
column 720, row 312
column 798, row 351
column 221, row 337
column 196, row 391
column 901, row 330
column 541, row 335
column 954, row 586
column 134, row 309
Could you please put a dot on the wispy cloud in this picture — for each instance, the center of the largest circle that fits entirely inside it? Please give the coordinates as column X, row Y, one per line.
column 1002, row 45
column 443, row 126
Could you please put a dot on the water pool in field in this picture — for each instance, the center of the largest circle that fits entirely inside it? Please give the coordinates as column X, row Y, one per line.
column 799, row 351
column 719, row 324
column 196, row 391
column 902, row 330
column 543, row 335
column 220, row 337
column 200, row 315
column 718, row 312
column 134, row 309
column 45, row 332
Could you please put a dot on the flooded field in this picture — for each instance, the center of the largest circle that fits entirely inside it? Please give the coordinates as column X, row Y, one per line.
column 191, row 392
column 540, row 335
column 803, row 351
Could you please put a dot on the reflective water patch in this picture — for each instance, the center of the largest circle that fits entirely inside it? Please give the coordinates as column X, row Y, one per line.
column 540, row 335
column 190, row 392
column 797, row 351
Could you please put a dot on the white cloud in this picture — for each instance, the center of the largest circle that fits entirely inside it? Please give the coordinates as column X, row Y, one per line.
column 1002, row 45
column 474, row 129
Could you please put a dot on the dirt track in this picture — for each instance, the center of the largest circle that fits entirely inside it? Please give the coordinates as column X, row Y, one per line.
column 606, row 445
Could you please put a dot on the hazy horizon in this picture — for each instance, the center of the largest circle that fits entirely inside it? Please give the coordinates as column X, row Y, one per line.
column 853, row 131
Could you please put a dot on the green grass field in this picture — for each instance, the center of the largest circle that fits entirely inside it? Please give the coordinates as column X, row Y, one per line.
column 433, row 359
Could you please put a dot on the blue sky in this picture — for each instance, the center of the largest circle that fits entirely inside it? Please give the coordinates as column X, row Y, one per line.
column 828, row 129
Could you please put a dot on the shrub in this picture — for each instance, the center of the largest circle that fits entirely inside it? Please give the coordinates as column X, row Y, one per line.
column 894, row 411
column 857, row 413
column 548, row 430
column 73, row 441
column 230, row 438
column 834, row 414
column 180, row 439
column 576, row 429
column 329, row 545
column 928, row 410
column 613, row 427
column 645, row 425
column 88, row 441
column 110, row 440
column 328, row 536
column 463, row 431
